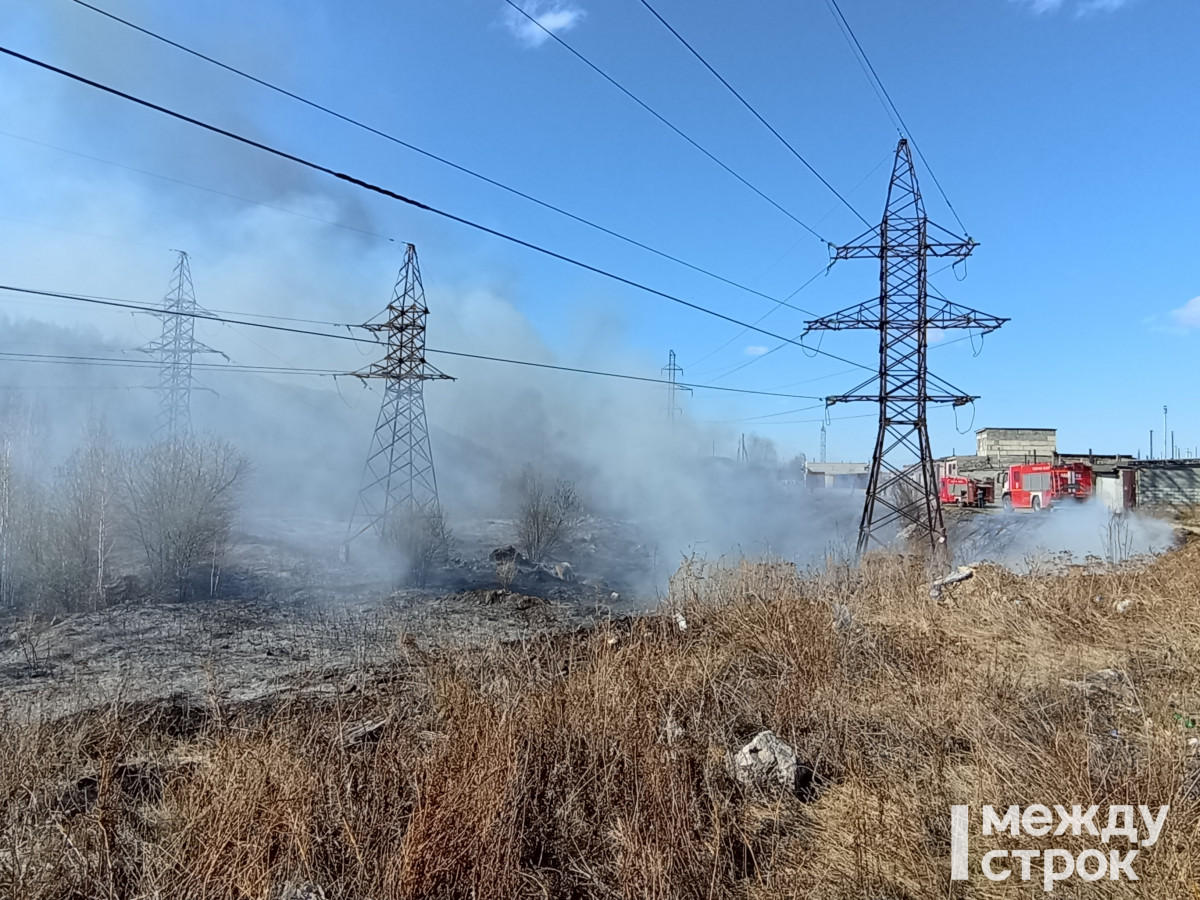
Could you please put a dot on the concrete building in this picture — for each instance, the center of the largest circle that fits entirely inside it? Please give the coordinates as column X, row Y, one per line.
column 1008, row 446
column 998, row 448
column 1166, row 484
column 836, row 474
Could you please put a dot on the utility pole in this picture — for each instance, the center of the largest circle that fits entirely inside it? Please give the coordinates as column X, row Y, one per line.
column 175, row 350
column 672, row 371
column 1166, row 446
column 399, row 474
column 822, row 442
column 902, row 485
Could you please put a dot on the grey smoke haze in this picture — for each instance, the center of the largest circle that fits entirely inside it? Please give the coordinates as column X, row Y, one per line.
column 108, row 231
column 307, row 437
column 1067, row 531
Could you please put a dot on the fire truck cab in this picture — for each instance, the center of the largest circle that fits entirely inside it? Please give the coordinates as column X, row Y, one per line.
column 1038, row 485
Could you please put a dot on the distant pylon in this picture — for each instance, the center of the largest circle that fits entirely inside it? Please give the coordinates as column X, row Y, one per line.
column 822, row 442
column 175, row 351
column 672, row 371
column 902, row 487
column 399, row 472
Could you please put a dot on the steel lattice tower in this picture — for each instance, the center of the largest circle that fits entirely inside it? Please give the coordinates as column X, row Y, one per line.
column 673, row 371
column 903, row 489
column 399, row 472
column 176, row 350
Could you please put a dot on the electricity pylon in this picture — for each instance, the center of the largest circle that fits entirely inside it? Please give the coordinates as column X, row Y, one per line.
column 902, row 487
column 399, row 474
column 673, row 371
column 176, row 350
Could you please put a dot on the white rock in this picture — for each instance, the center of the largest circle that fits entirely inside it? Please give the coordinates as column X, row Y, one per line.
column 962, row 573
column 681, row 621
column 764, row 762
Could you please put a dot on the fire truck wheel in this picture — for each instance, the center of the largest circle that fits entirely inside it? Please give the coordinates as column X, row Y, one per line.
column 1037, row 503
column 1007, row 503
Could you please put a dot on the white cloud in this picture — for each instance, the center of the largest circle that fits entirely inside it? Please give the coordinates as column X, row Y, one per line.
column 1188, row 315
column 1088, row 6
column 1081, row 7
column 541, row 19
column 755, row 351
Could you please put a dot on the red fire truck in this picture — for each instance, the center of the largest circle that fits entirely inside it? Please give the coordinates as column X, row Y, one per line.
column 958, row 490
column 1039, row 485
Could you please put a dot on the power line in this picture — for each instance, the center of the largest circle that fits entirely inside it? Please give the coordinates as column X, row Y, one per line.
column 194, row 186
column 126, row 363
column 874, row 78
column 385, row 192
column 121, row 304
column 644, row 105
column 428, row 155
column 138, row 307
column 717, row 350
column 806, row 349
column 755, row 112
column 88, row 234
column 824, row 270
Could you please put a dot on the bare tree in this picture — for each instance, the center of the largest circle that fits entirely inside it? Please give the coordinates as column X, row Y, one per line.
column 419, row 540
column 547, row 514
column 178, row 499
column 8, row 537
column 27, row 558
column 81, row 527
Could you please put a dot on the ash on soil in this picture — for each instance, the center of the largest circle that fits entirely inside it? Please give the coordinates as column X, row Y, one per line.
column 290, row 619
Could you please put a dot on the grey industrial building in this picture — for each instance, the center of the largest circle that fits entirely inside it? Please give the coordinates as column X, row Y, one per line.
column 836, row 474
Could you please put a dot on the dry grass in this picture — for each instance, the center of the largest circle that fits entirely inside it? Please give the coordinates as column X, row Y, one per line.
column 592, row 765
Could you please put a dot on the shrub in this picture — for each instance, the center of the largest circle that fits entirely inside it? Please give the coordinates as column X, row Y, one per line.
column 178, row 500
column 547, row 514
column 419, row 540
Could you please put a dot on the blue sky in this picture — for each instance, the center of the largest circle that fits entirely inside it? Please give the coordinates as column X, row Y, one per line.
column 1064, row 134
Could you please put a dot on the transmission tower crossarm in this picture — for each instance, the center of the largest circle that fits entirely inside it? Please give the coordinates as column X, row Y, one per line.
column 869, row 244
column 861, row 315
column 895, row 397
column 947, row 315
column 387, row 370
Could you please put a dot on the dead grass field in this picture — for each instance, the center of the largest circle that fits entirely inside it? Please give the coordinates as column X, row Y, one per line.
column 592, row 764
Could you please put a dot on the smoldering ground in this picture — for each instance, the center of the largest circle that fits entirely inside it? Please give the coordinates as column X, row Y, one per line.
column 1068, row 532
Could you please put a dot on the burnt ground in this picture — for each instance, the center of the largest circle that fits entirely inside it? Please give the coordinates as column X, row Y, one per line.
column 290, row 618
